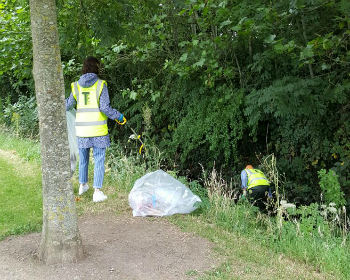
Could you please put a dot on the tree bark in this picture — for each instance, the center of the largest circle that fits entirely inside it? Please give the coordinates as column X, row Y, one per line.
column 61, row 240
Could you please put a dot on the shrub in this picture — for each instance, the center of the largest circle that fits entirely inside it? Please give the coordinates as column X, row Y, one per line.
column 22, row 116
column 330, row 186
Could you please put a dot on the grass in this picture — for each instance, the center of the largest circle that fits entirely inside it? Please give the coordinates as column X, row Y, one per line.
column 20, row 187
column 308, row 240
column 26, row 149
column 243, row 257
column 246, row 244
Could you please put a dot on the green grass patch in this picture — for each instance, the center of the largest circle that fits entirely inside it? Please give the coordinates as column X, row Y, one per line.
column 20, row 185
column 27, row 149
column 304, row 241
column 242, row 256
column 20, row 196
column 314, row 235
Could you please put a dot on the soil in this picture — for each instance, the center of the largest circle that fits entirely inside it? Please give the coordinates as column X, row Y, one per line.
column 116, row 247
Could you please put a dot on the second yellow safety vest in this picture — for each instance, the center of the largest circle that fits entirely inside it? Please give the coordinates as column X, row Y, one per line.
column 90, row 121
column 256, row 178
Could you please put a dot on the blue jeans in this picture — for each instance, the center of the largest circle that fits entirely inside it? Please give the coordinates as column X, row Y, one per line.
column 99, row 168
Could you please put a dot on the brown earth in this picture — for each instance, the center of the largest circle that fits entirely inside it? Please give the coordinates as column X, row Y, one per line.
column 116, row 247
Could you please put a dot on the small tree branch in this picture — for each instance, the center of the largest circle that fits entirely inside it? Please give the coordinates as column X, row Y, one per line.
column 239, row 70
column 306, row 42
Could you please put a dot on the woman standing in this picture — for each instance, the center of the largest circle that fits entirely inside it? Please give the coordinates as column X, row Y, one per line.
column 90, row 96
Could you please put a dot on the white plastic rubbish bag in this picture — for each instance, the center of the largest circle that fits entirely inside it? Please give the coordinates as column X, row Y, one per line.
column 159, row 194
column 72, row 139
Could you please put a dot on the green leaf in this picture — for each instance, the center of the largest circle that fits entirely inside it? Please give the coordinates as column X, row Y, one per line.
column 199, row 63
column 162, row 36
column 324, row 66
column 155, row 96
column 183, row 43
column 183, row 58
column 242, row 20
column 133, row 95
column 306, row 53
column 237, row 28
column 270, row 39
column 226, row 22
column 182, row 12
column 118, row 48
column 279, row 48
column 222, row 4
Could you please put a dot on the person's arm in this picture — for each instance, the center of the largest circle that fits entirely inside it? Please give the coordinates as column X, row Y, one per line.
column 70, row 102
column 106, row 108
column 244, row 180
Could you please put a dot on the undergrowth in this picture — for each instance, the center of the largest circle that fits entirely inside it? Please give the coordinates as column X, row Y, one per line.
column 315, row 234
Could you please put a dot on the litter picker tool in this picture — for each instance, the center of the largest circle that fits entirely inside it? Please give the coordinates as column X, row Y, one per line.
column 134, row 135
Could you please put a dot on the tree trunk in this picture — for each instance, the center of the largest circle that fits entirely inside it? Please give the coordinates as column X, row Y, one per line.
column 60, row 235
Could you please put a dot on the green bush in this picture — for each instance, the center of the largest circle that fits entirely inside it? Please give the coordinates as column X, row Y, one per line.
column 22, row 117
column 224, row 81
column 331, row 189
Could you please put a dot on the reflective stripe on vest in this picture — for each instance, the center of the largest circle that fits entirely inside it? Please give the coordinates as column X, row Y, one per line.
column 90, row 121
column 256, row 178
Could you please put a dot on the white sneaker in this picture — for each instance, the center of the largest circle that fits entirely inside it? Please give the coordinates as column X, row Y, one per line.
column 83, row 188
column 99, row 196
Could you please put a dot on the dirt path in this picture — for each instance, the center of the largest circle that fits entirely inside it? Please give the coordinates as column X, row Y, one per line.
column 116, row 247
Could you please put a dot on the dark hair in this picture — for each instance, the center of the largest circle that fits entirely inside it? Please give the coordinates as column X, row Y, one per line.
column 91, row 65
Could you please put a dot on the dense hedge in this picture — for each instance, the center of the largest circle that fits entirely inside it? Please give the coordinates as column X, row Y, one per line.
column 223, row 82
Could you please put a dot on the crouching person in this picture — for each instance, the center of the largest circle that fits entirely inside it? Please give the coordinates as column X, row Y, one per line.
column 255, row 186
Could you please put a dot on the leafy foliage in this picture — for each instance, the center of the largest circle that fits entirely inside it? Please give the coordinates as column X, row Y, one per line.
column 224, row 81
column 331, row 188
column 22, row 116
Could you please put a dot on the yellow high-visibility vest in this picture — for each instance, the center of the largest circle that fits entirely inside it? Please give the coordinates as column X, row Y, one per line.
column 256, row 178
column 89, row 121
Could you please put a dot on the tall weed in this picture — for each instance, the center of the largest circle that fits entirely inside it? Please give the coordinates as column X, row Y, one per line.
column 124, row 168
column 331, row 189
